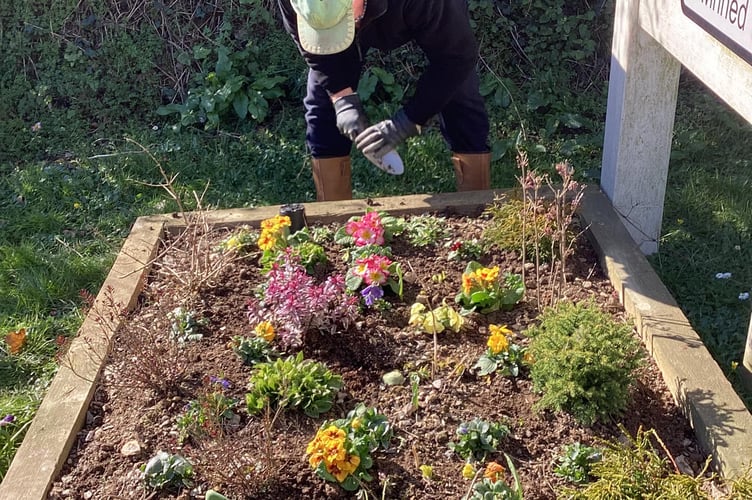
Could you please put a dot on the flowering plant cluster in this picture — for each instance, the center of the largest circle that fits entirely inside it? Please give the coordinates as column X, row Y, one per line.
column 484, row 290
column 274, row 233
column 366, row 230
column 435, row 320
column 341, row 450
column 370, row 262
column 502, row 353
column 210, row 414
column 374, row 271
column 293, row 302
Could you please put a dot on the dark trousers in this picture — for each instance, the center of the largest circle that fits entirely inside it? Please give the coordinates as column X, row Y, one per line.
column 463, row 121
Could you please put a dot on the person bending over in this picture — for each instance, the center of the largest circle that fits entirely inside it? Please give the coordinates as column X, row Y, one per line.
column 333, row 37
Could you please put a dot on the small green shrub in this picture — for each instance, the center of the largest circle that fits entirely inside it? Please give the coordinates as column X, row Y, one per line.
column 293, row 383
column 575, row 463
column 583, row 361
column 477, row 438
column 635, row 470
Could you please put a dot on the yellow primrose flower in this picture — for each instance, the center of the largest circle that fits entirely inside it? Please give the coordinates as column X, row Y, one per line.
column 468, row 471
column 356, row 424
column 498, row 342
column 265, row 330
column 500, row 329
column 427, row 471
column 267, row 240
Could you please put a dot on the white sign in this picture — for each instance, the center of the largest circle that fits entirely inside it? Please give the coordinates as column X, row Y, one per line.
column 730, row 21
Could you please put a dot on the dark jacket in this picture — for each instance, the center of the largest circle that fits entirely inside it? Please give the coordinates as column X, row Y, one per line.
column 441, row 28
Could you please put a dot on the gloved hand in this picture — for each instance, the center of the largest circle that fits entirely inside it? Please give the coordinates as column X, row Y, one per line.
column 379, row 139
column 351, row 117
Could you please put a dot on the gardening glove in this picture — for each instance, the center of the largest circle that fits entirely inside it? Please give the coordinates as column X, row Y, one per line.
column 377, row 140
column 351, row 117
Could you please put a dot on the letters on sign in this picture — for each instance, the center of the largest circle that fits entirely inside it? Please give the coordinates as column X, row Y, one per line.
column 727, row 20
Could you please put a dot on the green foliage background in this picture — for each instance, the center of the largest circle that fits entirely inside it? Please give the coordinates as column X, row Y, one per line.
column 79, row 77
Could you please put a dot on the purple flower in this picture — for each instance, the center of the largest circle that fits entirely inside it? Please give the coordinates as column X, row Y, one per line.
column 371, row 294
column 7, row 420
column 221, row 381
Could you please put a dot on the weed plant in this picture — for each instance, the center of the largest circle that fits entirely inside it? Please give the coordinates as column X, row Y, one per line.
column 584, row 361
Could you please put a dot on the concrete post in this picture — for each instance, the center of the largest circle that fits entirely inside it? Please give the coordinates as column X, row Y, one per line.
column 746, row 369
column 642, row 93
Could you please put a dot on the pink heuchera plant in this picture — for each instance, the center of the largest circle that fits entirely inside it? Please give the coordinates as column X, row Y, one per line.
column 367, row 231
column 374, row 269
column 294, row 301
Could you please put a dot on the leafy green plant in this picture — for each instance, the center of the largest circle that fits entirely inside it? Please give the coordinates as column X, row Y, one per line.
column 209, row 415
column 240, row 84
column 583, row 361
column 165, row 470
column 425, row 230
column 484, row 290
column 635, row 470
column 295, row 383
column 502, row 354
column 576, row 461
column 184, row 326
column 252, row 350
column 341, row 451
column 478, row 438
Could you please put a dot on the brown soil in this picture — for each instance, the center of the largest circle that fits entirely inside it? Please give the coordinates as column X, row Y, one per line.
column 247, row 464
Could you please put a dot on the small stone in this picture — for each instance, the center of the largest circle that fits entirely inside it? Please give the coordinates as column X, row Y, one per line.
column 587, row 284
column 131, row 448
column 66, row 493
column 683, row 465
column 687, row 442
column 393, row 378
column 89, row 436
column 88, row 495
column 437, row 384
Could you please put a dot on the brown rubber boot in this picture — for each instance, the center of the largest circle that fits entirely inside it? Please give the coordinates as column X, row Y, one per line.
column 332, row 178
column 472, row 171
